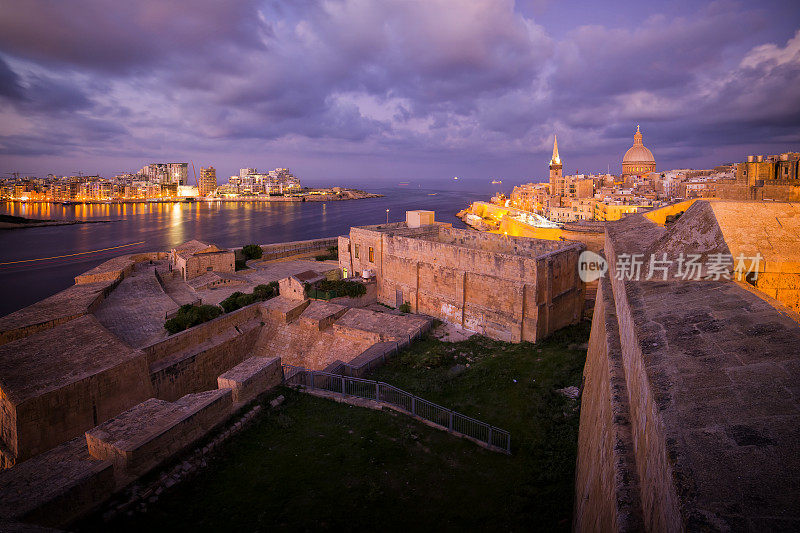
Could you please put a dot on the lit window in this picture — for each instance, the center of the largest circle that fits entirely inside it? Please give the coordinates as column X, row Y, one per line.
column 371, row 255
column 356, row 251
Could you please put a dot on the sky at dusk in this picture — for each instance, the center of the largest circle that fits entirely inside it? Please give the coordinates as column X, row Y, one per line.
column 382, row 91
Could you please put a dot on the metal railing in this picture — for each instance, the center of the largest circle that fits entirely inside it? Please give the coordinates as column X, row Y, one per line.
column 494, row 438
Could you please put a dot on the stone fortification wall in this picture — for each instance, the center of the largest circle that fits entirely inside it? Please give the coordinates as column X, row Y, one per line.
column 117, row 268
column 504, row 296
column 191, row 360
column 198, row 264
column 57, row 383
column 777, row 193
column 64, row 484
column 606, row 482
column 200, row 334
column 89, row 291
column 708, row 370
column 287, row 249
column 659, row 499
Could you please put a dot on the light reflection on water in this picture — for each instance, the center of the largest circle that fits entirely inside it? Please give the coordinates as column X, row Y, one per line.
column 164, row 225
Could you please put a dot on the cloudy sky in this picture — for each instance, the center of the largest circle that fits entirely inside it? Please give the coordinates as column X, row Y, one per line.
column 390, row 90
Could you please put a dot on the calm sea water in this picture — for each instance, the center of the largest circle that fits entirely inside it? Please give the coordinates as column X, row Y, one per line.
column 162, row 226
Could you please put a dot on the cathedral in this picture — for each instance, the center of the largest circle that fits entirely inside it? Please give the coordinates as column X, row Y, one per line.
column 638, row 159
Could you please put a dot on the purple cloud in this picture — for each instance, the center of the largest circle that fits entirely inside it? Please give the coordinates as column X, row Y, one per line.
column 444, row 81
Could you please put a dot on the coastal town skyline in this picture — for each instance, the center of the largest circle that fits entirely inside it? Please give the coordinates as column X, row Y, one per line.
column 348, row 90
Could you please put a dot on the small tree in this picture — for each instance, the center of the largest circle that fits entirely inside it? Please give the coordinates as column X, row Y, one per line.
column 252, row 251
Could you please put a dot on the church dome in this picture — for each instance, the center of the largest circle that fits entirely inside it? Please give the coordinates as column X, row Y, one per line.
column 638, row 159
column 638, row 153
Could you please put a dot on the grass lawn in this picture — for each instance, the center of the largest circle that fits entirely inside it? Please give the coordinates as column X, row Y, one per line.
column 313, row 464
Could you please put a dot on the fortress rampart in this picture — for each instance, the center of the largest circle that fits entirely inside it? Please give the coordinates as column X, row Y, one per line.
column 690, row 407
column 507, row 288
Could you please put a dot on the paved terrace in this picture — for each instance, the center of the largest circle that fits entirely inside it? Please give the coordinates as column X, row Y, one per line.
column 135, row 311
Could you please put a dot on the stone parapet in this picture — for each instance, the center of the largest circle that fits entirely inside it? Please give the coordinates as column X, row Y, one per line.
column 251, row 378
column 151, row 432
column 55, row 487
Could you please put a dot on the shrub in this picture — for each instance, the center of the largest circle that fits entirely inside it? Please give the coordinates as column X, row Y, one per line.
column 405, row 307
column 241, row 264
column 191, row 315
column 265, row 292
column 343, row 287
column 332, row 255
column 238, row 299
column 252, row 251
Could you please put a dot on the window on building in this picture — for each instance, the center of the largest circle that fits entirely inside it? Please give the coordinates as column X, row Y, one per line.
column 209, row 269
column 355, row 251
column 371, row 255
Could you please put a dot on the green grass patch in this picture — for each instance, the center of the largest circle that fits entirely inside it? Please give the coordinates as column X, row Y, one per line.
column 313, row 464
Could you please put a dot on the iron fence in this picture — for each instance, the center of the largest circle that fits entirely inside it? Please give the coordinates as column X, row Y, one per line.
column 495, row 438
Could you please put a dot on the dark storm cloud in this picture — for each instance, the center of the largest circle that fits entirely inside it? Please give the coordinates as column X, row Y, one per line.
column 117, row 36
column 463, row 78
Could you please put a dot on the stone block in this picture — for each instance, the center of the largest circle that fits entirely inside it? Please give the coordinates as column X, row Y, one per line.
column 252, row 377
column 56, row 487
column 283, row 310
column 153, row 431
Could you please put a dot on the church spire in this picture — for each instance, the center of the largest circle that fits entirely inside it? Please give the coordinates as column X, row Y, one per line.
column 637, row 137
column 555, row 160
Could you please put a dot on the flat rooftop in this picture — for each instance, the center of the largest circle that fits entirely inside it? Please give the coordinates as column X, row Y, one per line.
column 59, row 356
column 68, row 303
column 465, row 238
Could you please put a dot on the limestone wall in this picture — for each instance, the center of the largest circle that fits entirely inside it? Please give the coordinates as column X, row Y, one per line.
column 288, row 249
column 197, row 368
column 199, row 264
column 199, row 334
column 659, row 500
column 465, row 278
column 606, row 482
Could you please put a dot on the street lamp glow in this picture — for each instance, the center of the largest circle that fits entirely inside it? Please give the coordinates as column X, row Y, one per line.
column 387, row 216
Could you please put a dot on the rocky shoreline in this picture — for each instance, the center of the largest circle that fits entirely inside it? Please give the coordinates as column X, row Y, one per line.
column 13, row 222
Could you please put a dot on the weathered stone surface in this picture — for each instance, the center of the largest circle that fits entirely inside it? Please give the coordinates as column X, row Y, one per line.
column 64, row 306
column 55, row 487
column 508, row 288
column 151, row 432
column 710, row 379
column 135, row 311
column 283, row 309
column 252, row 377
column 66, row 379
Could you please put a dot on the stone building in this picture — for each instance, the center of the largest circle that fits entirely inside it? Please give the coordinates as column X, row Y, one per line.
column 507, row 288
column 638, row 160
column 194, row 258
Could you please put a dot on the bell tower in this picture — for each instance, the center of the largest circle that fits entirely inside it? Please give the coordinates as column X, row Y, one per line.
column 556, row 180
